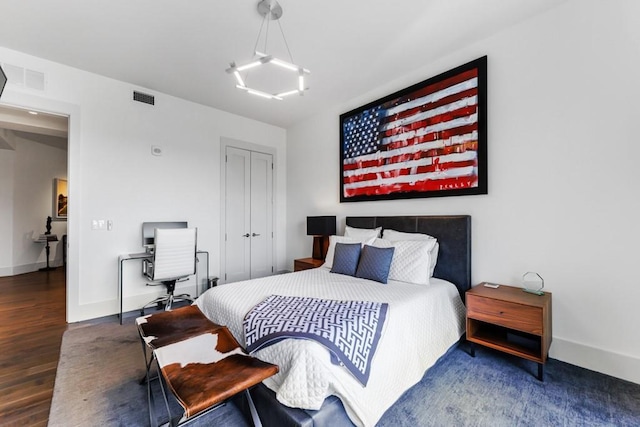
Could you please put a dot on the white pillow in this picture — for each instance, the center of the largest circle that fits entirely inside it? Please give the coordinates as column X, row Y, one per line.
column 362, row 232
column 328, row 260
column 394, row 236
column 434, row 258
column 411, row 260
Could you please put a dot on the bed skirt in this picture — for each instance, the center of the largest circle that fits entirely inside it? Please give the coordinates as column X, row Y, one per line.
column 273, row 413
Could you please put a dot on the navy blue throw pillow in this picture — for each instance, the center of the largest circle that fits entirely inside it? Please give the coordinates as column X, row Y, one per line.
column 345, row 258
column 375, row 263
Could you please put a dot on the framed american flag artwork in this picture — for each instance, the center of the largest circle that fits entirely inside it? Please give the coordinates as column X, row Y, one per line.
column 428, row 140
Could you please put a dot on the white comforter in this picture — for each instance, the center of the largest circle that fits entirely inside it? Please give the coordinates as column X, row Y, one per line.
column 422, row 323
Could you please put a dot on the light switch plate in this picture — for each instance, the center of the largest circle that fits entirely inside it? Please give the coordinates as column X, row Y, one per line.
column 98, row 224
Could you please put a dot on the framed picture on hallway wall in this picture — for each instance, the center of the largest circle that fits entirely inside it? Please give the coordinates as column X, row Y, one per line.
column 60, row 198
column 428, row 140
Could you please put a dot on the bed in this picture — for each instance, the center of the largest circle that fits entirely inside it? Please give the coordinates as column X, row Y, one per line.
column 422, row 323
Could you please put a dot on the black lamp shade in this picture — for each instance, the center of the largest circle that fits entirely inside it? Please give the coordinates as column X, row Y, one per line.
column 321, row 225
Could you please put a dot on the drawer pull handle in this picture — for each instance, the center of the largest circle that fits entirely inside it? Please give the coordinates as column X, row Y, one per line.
column 502, row 312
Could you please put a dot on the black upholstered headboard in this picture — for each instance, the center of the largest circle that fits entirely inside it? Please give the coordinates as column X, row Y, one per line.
column 453, row 234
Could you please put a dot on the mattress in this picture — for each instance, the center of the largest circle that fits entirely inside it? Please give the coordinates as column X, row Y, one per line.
column 422, row 323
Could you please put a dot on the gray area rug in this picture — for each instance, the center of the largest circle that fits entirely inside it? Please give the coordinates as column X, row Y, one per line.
column 100, row 365
column 499, row 390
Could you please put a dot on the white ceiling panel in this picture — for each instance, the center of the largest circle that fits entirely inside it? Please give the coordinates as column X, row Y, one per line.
column 182, row 48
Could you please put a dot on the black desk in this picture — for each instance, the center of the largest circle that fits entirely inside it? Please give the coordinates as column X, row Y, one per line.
column 146, row 255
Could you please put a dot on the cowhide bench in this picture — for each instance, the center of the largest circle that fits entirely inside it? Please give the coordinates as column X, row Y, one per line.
column 199, row 361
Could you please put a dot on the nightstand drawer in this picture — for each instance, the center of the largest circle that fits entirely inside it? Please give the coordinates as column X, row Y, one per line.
column 508, row 314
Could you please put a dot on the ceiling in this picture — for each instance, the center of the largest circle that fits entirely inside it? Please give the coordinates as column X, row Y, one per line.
column 182, row 48
column 44, row 128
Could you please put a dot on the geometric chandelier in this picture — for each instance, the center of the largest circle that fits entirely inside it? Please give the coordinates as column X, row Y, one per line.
column 293, row 74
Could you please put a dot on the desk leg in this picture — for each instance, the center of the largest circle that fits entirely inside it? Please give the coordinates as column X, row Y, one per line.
column 120, row 287
column 207, row 278
column 198, row 284
column 197, row 277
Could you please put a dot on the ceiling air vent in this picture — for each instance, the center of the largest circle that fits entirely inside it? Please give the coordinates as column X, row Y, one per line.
column 143, row 97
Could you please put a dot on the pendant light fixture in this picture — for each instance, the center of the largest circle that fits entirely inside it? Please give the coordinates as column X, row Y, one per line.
column 270, row 10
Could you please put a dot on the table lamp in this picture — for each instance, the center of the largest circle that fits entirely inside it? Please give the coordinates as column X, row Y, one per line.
column 321, row 227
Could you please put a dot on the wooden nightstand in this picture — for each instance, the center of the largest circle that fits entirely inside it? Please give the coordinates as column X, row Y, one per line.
column 510, row 320
column 306, row 263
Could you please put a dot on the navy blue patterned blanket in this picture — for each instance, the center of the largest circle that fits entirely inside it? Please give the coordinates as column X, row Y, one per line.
column 350, row 330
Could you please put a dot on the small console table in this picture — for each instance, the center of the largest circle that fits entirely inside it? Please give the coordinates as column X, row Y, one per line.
column 46, row 238
column 146, row 255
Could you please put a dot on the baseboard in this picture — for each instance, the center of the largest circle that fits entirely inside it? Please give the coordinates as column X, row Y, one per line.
column 615, row 364
column 25, row 268
column 130, row 303
column 20, row 269
column 28, row 268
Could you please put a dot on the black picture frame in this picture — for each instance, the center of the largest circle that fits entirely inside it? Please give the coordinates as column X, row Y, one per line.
column 427, row 140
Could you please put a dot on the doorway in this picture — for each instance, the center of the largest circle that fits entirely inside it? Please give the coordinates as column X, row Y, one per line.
column 34, row 157
column 248, row 213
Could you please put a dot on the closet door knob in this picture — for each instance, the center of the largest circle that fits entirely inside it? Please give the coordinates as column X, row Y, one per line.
column 255, row 234
column 245, row 235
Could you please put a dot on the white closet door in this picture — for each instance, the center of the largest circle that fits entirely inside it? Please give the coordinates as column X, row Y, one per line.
column 237, row 214
column 248, row 214
column 261, row 215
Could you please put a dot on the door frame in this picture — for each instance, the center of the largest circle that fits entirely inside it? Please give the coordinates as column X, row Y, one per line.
column 72, row 111
column 250, row 146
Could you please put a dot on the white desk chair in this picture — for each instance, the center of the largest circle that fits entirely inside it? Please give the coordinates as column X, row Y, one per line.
column 174, row 258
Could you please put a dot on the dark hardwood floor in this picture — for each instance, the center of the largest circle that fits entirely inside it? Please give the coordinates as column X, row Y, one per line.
column 32, row 321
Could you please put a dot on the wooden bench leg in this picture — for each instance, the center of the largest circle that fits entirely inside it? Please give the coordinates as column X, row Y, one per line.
column 150, row 400
column 153, row 420
column 540, row 372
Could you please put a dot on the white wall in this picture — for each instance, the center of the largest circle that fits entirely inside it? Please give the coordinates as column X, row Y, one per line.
column 7, row 162
column 36, row 165
column 563, row 190
column 26, row 200
column 113, row 176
